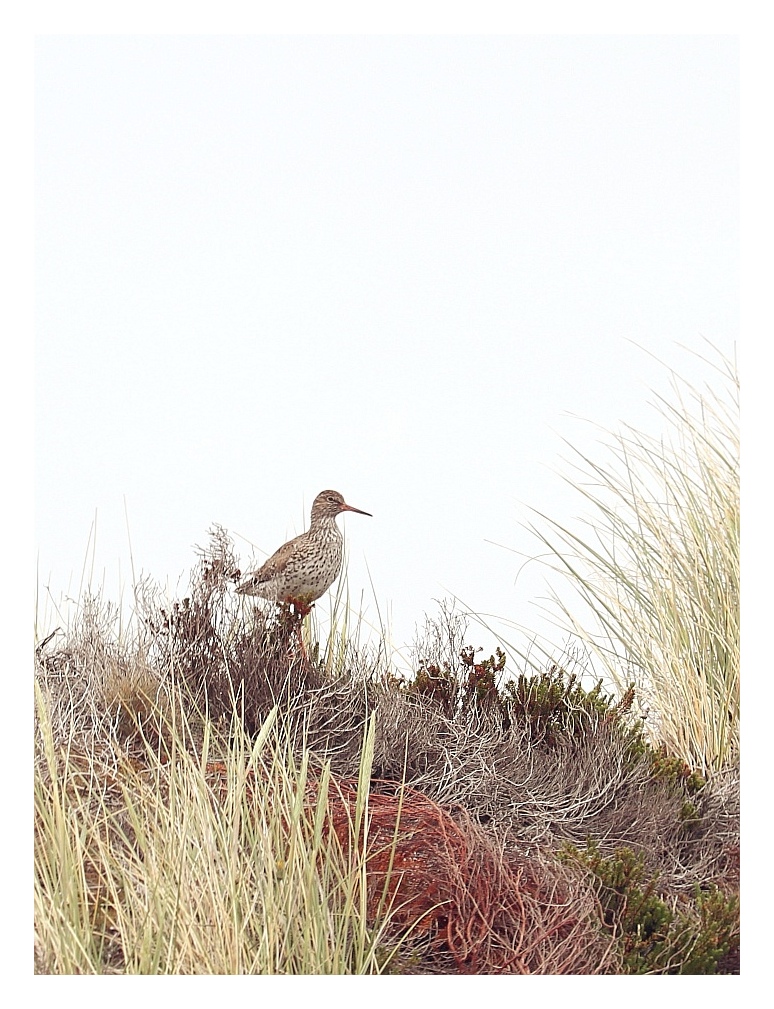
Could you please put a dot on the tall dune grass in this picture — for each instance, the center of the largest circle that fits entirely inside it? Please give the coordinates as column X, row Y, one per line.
column 656, row 568
column 148, row 867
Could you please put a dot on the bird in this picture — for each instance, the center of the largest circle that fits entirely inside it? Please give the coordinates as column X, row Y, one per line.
column 304, row 568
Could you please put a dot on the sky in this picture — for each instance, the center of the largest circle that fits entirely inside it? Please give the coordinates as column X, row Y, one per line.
column 408, row 268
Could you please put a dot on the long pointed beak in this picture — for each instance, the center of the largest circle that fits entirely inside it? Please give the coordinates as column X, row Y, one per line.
column 349, row 508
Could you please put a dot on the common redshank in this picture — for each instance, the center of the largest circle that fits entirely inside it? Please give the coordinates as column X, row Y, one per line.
column 305, row 567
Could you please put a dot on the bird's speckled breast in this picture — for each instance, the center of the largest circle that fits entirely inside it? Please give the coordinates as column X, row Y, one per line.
column 312, row 568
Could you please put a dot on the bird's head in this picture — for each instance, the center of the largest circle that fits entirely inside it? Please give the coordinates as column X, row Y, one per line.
column 329, row 503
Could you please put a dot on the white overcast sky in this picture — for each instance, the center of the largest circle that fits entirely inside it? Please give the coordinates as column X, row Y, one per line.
column 394, row 266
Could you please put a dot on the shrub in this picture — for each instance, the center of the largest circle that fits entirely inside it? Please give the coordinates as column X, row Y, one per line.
column 654, row 935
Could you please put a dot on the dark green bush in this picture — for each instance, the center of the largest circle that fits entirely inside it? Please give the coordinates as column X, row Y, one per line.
column 656, row 936
column 554, row 704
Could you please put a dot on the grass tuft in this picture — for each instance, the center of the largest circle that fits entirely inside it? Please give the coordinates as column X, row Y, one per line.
column 190, row 865
column 656, row 574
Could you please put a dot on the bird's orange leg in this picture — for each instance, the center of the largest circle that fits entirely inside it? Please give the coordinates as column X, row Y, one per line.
column 300, row 611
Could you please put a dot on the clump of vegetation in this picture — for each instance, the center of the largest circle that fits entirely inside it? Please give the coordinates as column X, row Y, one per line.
column 658, row 568
column 192, row 865
column 452, row 692
column 554, row 705
column 654, row 935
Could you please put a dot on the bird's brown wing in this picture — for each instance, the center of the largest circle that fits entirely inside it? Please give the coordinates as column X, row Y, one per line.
column 270, row 568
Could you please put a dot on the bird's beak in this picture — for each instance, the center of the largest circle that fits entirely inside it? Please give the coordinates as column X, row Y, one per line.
column 349, row 508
